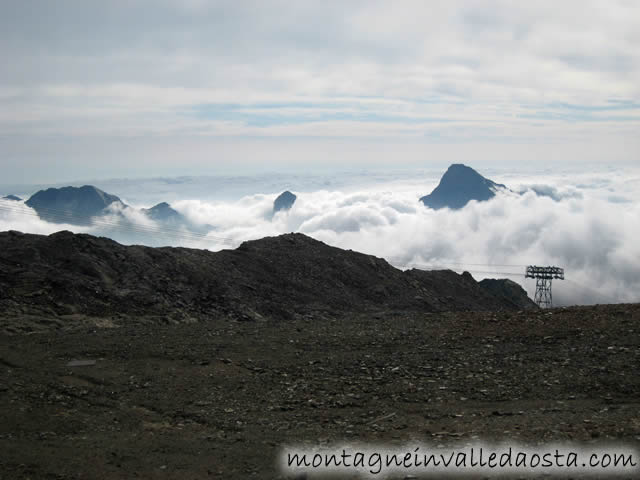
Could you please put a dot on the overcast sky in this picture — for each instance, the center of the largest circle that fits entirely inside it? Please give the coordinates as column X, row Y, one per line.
column 113, row 88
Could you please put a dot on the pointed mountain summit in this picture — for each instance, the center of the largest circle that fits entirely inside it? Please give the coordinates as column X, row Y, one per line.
column 458, row 186
column 75, row 205
column 163, row 212
column 284, row 201
column 167, row 216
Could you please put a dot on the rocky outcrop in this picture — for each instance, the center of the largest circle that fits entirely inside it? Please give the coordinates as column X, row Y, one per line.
column 510, row 292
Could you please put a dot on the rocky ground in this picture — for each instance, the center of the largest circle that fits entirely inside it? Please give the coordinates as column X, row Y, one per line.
column 218, row 398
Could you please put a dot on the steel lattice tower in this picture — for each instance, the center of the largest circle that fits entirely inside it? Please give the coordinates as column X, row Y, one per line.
column 544, row 277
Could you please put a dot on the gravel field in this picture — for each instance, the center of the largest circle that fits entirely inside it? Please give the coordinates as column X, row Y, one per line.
column 220, row 398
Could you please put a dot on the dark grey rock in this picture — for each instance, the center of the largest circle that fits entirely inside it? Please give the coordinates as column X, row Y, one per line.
column 284, row 201
column 458, row 186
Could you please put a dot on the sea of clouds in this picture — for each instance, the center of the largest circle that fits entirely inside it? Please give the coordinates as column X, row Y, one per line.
column 587, row 223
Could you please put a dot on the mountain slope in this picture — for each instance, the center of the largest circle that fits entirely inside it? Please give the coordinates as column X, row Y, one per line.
column 510, row 291
column 68, row 274
column 458, row 186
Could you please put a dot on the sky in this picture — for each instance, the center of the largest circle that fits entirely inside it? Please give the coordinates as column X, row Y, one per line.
column 130, row 89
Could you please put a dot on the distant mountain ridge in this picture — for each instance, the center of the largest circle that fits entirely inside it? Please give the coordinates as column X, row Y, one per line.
column 458, row 186
column 79, row 205
column 169, row 217
column 15, row 198
column 74, row 205
column 162, row 212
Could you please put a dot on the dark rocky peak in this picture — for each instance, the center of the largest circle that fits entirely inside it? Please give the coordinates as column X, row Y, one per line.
column 75, row 205
column 162, row 212
column 169, row 217
column 458, row 186
column 284, row 201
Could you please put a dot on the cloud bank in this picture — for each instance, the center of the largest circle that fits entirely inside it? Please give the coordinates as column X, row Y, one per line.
column 579, row 228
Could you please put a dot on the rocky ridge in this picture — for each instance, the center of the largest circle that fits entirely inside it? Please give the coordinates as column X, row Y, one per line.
column 57, row 279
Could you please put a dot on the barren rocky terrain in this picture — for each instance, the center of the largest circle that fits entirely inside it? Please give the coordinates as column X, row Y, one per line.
column 219, row 396
column 218, row 399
